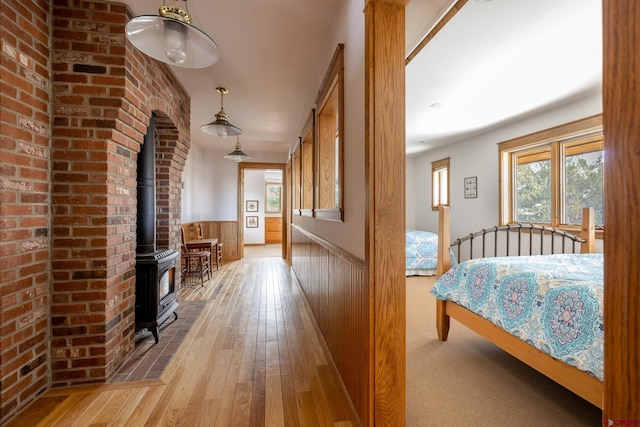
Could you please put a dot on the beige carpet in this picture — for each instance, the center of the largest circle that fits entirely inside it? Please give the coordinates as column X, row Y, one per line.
column 467, row 381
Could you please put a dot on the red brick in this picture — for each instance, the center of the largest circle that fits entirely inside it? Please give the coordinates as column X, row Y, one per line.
column 99, row 261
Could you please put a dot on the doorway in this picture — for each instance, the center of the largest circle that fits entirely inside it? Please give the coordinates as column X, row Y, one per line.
column 262, row 206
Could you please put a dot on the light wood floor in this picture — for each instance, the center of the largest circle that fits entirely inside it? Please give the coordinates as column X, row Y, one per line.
column 253, row 358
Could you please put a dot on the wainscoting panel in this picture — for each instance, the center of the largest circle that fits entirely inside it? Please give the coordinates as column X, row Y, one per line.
column 334, row 284
column 225, row 231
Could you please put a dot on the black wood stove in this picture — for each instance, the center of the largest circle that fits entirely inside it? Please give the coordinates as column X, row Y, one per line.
column 156, row 270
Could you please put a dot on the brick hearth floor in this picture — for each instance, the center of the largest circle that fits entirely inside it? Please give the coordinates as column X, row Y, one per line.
column 148, row 359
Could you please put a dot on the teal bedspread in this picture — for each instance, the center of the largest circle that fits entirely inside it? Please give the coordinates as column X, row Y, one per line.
column 422, row 253
column 553, row 302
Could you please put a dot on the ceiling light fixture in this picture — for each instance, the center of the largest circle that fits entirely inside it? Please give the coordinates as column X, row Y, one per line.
column 169, row 37
column 237, row 155
column 221, row 126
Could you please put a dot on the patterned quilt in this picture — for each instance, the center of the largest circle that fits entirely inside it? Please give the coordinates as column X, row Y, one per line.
column 422, row 253
column 553, row 302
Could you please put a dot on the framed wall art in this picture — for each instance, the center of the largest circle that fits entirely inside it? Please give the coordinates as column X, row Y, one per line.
column 471, row 187
column 251, row 206
column 252, row 222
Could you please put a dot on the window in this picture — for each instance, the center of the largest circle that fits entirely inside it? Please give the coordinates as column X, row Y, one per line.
column 297, row 180
column 440, row 181
column 550, row 181
column 307, row 149
column 330, row 134
column 273, row 197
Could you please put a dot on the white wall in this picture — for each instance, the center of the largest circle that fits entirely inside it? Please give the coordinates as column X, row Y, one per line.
column 211, row 184
column 410, row 192
column 254, row 190
column 479, row 157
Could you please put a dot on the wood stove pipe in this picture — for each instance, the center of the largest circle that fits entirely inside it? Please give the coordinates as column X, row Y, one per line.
column 146, row 183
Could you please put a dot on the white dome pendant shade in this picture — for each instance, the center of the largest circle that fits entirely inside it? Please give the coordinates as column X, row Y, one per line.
column 221, row 126
column 169, row 37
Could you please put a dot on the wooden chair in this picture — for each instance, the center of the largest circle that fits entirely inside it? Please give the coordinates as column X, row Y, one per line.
column 195, row 265
column 197, row 228
column 218, row 255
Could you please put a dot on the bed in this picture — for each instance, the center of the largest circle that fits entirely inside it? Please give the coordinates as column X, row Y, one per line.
column 422, row 253
column 542, row 303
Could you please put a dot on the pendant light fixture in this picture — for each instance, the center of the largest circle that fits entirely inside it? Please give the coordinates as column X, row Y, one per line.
column 169, row 37
column 221, row 126
column 237, row 155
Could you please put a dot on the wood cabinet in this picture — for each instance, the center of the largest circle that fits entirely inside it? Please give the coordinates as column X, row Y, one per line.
column 273, row 229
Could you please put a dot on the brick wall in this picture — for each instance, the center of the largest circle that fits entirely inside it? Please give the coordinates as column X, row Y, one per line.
column 70, row 142
column 104, row 94
column 25, row 128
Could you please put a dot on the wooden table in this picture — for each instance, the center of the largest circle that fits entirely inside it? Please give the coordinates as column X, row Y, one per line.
column 210, row 245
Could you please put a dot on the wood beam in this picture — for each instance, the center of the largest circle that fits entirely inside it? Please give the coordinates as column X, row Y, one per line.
column 385, row 199
column 621, row 122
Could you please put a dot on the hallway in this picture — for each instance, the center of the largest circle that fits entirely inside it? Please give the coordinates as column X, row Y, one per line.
column 252, row 358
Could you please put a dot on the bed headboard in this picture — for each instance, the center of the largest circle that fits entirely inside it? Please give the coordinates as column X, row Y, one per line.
column 512, row 240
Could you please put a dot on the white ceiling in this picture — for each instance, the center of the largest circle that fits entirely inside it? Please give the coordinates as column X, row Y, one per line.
column 496, row 60
column 499, row 61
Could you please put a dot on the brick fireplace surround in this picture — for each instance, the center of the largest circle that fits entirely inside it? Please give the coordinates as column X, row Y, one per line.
column 76, row 101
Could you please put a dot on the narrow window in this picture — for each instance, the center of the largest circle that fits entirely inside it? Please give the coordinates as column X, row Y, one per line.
column 583, row 179
column 440, row 180
column 297, row 180
column 330, row 144
column 273, row 197
column 307, row 147
column 533, row 186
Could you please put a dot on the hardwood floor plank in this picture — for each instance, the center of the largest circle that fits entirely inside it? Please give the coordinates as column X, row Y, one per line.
column 242, row 403
column 60, row 411
column 320, row 400
column 274, row 412
column 309, row 332
column 76, row 409
column 131, row 405
column 289, row 403
column 89, row 414
column 206, row 413
column 216, row 373
column 338, row 408
column 145, row 407
column 296, row 358
column 250, row 310
column 224, row 414
column 164, row 405
column 252, row 358
column 33, row 417
column 113, row 406
column 259, row 371
column 307, row 409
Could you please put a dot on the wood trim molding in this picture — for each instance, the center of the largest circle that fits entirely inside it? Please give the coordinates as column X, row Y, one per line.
column 564, row 131
column 242, row 166
column 385, row 163
column 448, row 15
column 347, row 256
column 621, row 123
